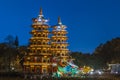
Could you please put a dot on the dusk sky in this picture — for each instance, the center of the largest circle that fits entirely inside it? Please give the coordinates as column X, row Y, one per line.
column 89, row 22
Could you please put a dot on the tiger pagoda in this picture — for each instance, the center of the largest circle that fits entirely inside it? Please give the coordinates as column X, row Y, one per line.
column 48, row 53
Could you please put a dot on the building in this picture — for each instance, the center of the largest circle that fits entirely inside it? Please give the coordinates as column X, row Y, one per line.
column 59, row 45
column 46, row 52
column 114, row 68
column 39, row 59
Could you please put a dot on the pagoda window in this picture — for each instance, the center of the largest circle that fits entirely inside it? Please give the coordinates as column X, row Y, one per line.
column 58, row 54
column 43, row 35
column 38, row 59
column 39, row 28
column 35, row 35
column 43, row 28
column 33, row 51
column 48, row 60
column 39, row 35
column 35, row 28
column 38, row 70
column 66, row 54
column 39, row 43
column 44, row 51
column 58, row 40
column 44, row 60
column 32, row 59
column 32, row 69
column 27, row 69
column 33, row 42
column 44, row 70
column 43, row 43
column 35, row 59
column 38, row 51
column 58, row 47
column 58, row 34
column 62, row 54
column 48, row 51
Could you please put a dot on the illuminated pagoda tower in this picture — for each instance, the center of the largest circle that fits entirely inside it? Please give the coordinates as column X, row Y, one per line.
column 59, row 45
column 39, row 59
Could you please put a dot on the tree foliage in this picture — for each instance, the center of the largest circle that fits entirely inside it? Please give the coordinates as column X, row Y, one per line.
column 86, row 59
column 10, row 51
column 103, row 54
column 110, row 51
column 16, row 42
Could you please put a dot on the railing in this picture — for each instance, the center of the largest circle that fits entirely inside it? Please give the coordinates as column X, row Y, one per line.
column 35, row 63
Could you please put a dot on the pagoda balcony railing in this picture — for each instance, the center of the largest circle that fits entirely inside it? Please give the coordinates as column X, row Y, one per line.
column 59, row 42
column 59, row 31
column 41, row 38
column 40, row 46
column 34, row 54
column 64, row 46
column 39, row 31
column 36, row 63
column 58, row 49
column 39, row 23
column 59, row 37
column 45, row 54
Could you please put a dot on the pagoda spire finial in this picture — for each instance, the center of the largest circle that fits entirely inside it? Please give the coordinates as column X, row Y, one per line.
column 59, row 20
column 40, row 11
column 40, row 14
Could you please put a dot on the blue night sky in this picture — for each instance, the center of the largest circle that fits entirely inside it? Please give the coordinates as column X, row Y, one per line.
column 89, row 22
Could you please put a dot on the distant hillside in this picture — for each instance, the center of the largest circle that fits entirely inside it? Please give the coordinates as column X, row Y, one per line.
column 110, row 51
column 103, row 54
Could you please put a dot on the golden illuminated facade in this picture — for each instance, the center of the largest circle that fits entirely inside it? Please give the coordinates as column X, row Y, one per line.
column 39, row 59
column 45, row 53
column 59, row 44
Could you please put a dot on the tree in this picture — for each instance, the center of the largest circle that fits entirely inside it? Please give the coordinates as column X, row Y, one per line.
column 16, row 41
column 87, row 59
column 110, row 51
